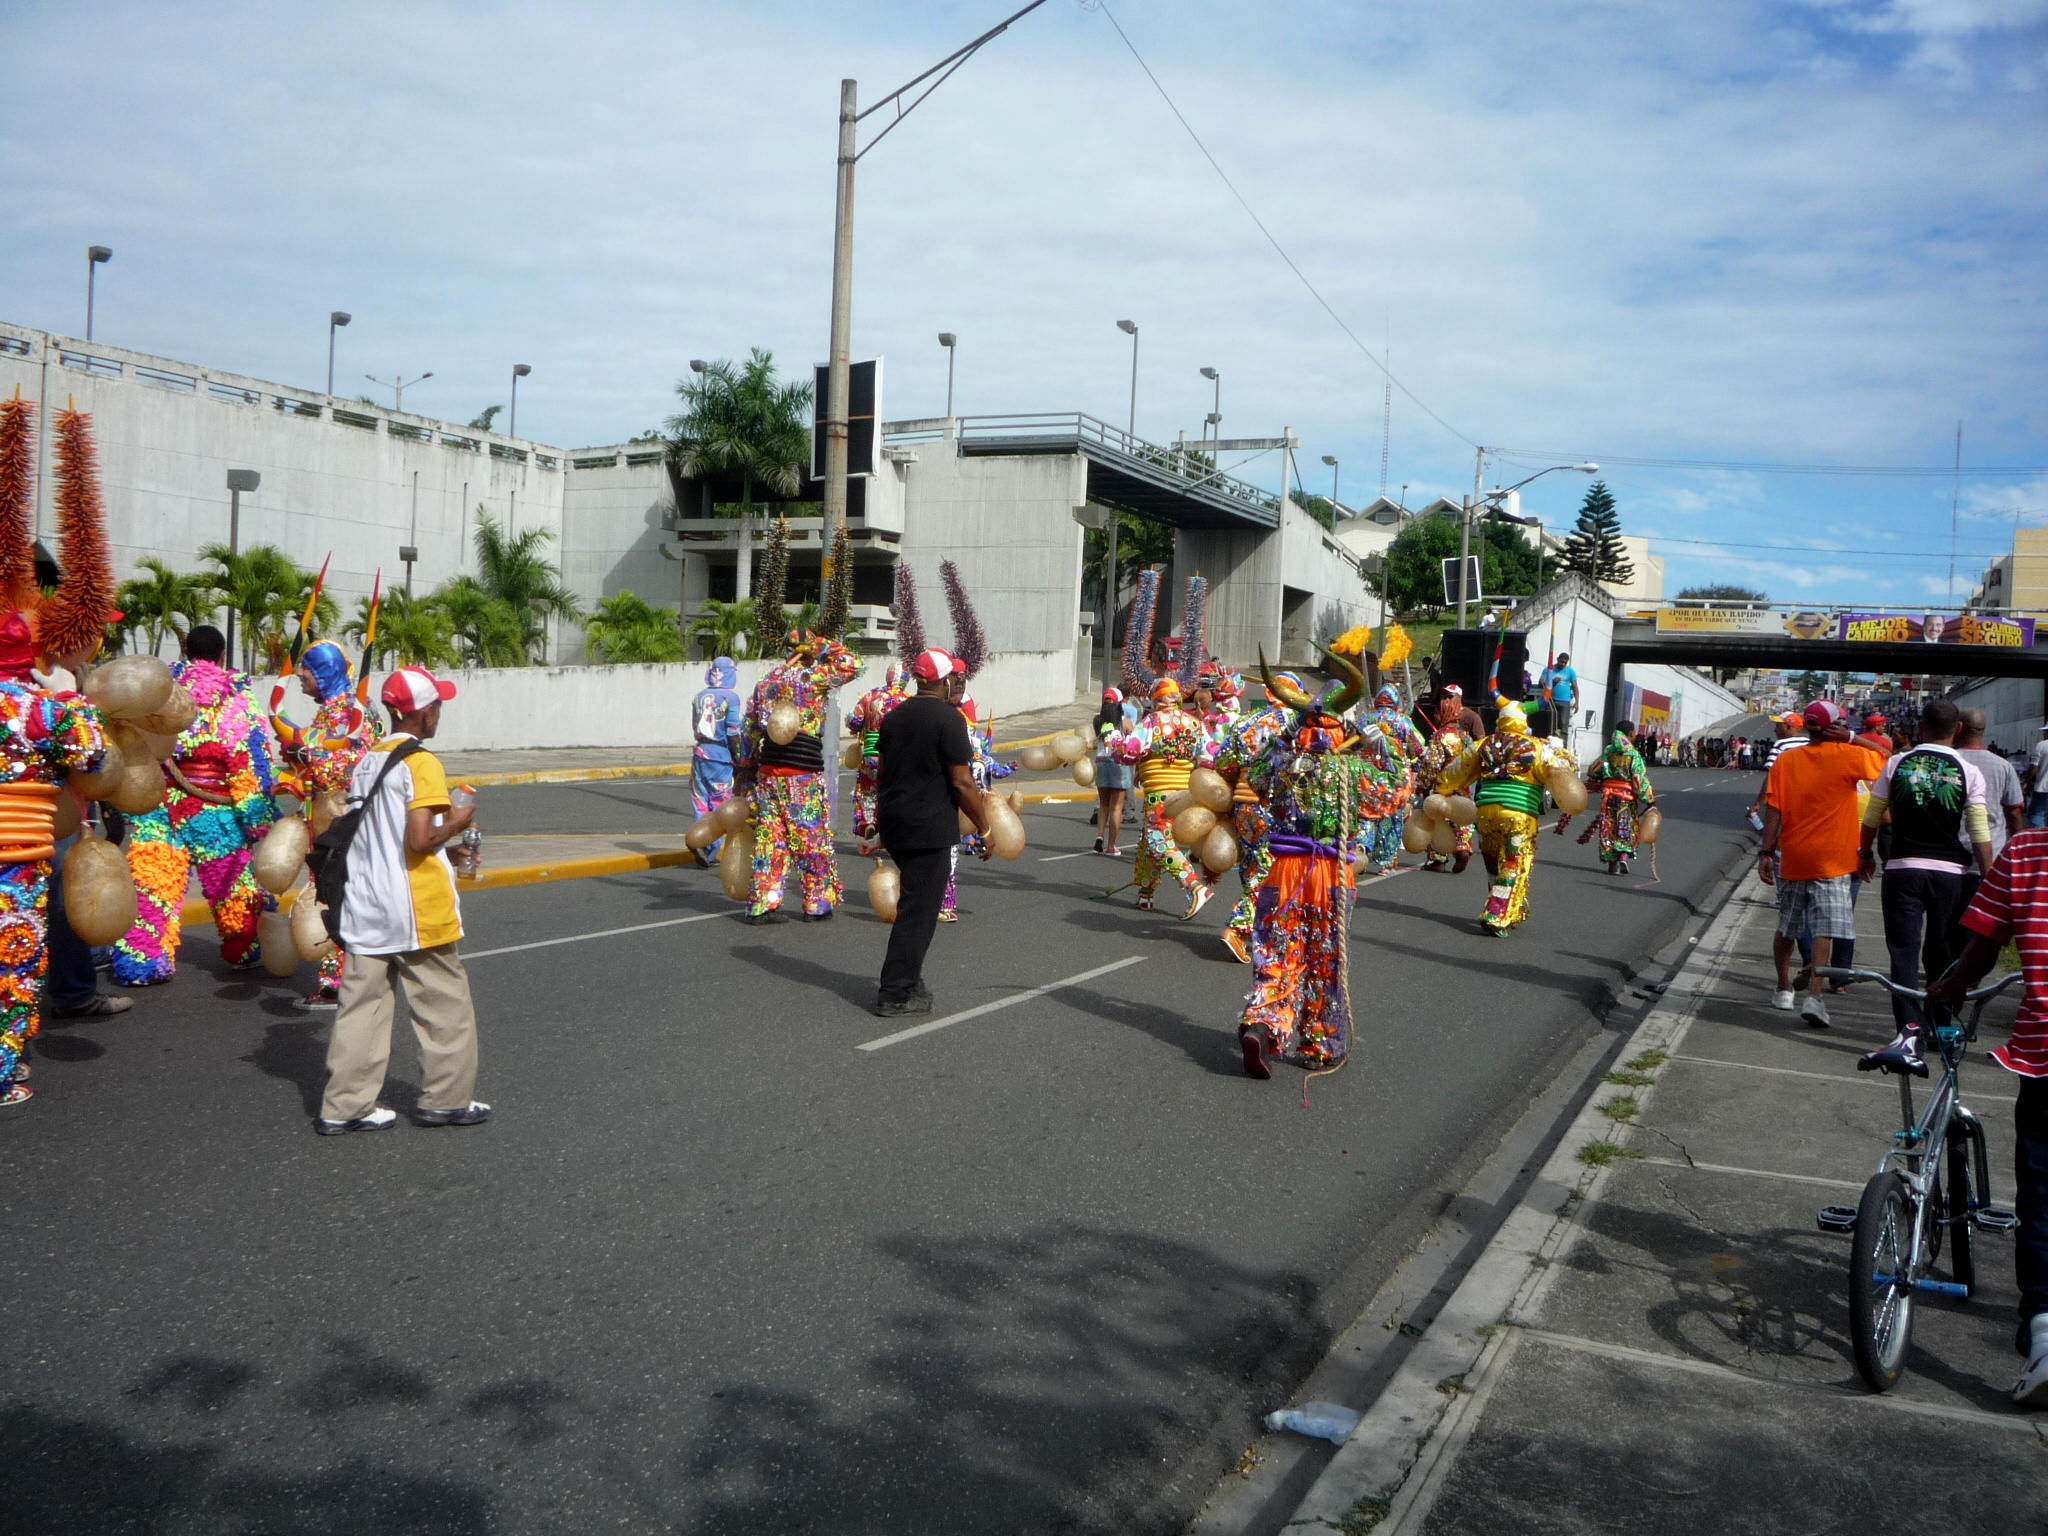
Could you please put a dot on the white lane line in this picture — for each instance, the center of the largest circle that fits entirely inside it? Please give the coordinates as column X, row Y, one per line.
column 1054, row 858
column 1002, row 1002
column 579, row 938
column 1748, row 1173
column 1625, row 1353
column 1825, row 1077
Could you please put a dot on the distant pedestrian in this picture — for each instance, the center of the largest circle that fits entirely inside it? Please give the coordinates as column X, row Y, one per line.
column 400, row 923
column 1811, row 848
column 926, row 784
column 1112, row 778
column 716, row 719
column 2004, row 800
column 1875, row 736
column 2037, row 782
column 1559, row 686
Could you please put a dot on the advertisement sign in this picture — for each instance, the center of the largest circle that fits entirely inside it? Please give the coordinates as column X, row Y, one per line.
column 1775, row 622
column 1937, row 629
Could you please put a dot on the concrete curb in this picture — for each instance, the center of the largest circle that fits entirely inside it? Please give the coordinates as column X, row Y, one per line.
column 1385, row 1477
column 578, row 775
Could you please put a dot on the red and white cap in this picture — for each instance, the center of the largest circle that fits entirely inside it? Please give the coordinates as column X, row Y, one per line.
column 411, row 689
column 1824, row 712
column 933, row 666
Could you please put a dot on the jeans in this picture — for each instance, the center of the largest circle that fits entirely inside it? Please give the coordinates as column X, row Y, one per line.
column 2030, row 1200
column 2037, row 809
column 70, row 982
column 1920, row 911
column 923, row 874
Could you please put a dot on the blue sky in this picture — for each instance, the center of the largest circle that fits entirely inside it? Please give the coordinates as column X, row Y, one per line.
column 1743, row 233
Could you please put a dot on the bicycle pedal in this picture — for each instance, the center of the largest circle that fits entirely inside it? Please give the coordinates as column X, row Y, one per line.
column 1993, row 1219
column 1838, row 1219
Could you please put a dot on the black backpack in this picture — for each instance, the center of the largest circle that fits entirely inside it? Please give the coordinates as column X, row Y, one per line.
column 328, row 857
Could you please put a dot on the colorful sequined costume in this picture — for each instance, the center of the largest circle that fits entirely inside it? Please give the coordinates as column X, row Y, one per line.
column 715, row 717
column 325, row 753
column 1314, row 795
column 1442, row 751
column 227, row 761
column 1250, row 820
column 1165, row 746
column 43, row 736
column 1624, row 784
column 1390, row 746
column 983, row 770
column 865, row 722
column 1507, row 771
column 792, row 816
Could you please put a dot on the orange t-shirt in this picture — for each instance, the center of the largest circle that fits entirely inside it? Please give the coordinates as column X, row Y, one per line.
column 1813, row 791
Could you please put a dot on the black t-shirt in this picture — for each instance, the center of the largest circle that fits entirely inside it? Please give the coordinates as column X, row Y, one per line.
column 920, row 739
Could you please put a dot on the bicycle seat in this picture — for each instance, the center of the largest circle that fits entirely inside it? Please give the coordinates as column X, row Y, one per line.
column 1900, row 1056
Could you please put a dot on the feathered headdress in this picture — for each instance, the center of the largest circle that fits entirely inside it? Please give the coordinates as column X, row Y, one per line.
column 770, row 617
column 1194, row 633
column 17, row 510
column 1138, row 633
column 969, row 642
column 909, row 626
column 74, row 618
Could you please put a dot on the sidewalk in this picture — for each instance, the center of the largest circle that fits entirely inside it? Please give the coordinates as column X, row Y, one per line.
column 1657, row 1339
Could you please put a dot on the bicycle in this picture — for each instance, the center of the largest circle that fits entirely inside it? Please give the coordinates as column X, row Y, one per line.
column 1906, row 1207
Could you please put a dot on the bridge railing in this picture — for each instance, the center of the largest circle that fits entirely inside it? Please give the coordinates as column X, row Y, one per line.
column 1049, row 429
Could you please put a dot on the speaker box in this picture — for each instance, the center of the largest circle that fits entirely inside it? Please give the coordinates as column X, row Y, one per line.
column 1467, row 657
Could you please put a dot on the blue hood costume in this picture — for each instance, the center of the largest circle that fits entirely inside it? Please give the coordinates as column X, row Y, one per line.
column 716, row 718
column 329, row 668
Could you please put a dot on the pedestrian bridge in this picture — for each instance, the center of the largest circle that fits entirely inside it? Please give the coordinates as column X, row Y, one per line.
column 1947, row 643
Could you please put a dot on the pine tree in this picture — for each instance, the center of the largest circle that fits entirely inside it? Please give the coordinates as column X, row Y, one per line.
column 1594, row 547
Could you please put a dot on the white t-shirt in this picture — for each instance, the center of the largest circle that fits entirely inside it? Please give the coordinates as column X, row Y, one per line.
column 397, row 900
column 2001, row 788
column 2037, row 767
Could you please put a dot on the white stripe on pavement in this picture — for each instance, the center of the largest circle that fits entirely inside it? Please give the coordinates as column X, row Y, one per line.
column 1054, row 858
column 1002, row 1002
column 602, row 933
column 1825, row 1077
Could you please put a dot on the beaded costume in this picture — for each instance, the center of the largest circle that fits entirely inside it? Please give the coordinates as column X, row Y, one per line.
column 1625, row 793
column 865, row 722
column 792, row 817
column 1390, row 746
column 325, row 753
column 1250, row 820
column 1165, row 746
column 1442, row 751
column 1506, row 771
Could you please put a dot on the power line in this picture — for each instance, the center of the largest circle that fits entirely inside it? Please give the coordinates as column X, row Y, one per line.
column 1759, row 467
column 1278, row 248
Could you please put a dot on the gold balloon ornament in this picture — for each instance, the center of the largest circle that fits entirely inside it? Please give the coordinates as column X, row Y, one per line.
column 1084, row 772
column 1568, row 790
column 885, row 889
column 732, row 813
column 323, row 808
column 177, row 712
column 736, row 865
column 102, row 781
column 1210, row 789
column 703, row 832
column 309, row 928
column 129, row 687
column 1005, row 829
column 281, row 856
column 1464, row 811
column 140, row 788
column 1435, row 808
column 1039, row 758
column 1070, row 746
column 66, row 815
column 1443, row 837
column 850, row 754
column 1415, row 833
column 784, row 723
column 1176, row 803
column 275, row 946
column 159, row 746
column 99, row 893
column 1219, row 850
column 1650, row 827
column 1192, row 825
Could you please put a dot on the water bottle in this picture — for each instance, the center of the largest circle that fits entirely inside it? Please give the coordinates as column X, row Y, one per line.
column 1320, row 1421
column 469, row 853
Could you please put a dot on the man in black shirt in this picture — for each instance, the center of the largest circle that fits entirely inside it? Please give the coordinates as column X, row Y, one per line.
column 923, row 781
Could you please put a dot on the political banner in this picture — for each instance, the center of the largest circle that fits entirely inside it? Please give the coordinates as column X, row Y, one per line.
column 1936, row 629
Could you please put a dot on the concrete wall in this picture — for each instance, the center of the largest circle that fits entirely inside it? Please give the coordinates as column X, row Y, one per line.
column 2013, row 709
column 1250, row 572
column 1696, row 701
column 612, row 532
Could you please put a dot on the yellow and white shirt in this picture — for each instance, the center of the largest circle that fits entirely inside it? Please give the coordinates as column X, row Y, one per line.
column 397, row 900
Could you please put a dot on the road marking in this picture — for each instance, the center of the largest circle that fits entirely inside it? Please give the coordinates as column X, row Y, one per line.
column 1748, row 1173
column 1002, row 1002
column 1054, row 858
column 1825, row 1077
column 579, row 938
column 1623, row 1352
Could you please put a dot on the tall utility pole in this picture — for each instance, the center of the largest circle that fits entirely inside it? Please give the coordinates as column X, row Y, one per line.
column 1465, row 533
column 838, row 359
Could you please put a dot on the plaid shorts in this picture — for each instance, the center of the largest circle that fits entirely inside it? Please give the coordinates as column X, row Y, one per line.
column 1823, row 908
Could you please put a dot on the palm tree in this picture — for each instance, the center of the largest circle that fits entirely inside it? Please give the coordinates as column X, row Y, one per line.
column 741, row 421
column 160, row 600
column 625, row 627
column 510, row 570
column 411, row 631
column 265, row 589
column 488, row 632
column 727, row 629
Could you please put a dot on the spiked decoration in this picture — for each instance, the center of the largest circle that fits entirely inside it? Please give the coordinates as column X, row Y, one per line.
column 298, row 646
column 1194, row 635
column 909, row 626
column 17, row 511
column 771, row 617
column 968, row 639
column 369, row 638
column 1138, row 674
column 838, row 605
column 74, row 618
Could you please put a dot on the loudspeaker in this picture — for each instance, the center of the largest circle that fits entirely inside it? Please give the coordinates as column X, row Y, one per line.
column 1467, row 657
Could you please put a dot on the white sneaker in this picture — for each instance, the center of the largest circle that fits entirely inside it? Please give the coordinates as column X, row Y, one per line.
column 1782, row 1001
column 2031, row 1390
column 1813, row 1011
column 377, row 1119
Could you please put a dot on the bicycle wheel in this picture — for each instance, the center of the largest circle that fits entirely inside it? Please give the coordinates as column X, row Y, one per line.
column 1962, row 1254
column 1880, row 1283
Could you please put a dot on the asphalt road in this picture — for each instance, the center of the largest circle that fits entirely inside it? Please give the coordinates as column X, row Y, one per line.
column 713, row 1268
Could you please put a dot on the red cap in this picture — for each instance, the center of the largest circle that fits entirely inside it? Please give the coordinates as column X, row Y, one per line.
column 933, row 666
column 1874, row 720
column 1824, row 712
column 411, row 689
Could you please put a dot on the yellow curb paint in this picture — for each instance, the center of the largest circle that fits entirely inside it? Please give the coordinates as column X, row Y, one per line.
column 577, row 775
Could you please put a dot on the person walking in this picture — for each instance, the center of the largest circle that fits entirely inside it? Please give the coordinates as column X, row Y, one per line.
column 1811, row 848
column 400, row 923
column 2037, row 782
column 1936, row 801
column 926, row 784
column 2005, row 802
column 1112, row 778
column 716, row 718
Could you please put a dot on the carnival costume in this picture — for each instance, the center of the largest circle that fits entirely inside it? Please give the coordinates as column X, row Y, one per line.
column 983, row 769
column 1314, row 794
column 217, row 806
column 325, row 753
column 1507, row 771
column 1443, row 749
column 1250, row 820
column 716, row 717
column 792, row 816
column 1391, row 747
column 1625, row 795
column 865, row 721
column 1165, row 747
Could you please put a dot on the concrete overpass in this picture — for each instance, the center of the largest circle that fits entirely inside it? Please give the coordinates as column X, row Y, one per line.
column 1868, row 640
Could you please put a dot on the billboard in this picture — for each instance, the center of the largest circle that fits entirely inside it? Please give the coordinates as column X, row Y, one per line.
column 1937, row 629
column 1776, row 622
column 863, row 417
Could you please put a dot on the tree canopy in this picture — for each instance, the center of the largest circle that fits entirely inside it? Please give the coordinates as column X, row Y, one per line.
column 741, row 420
column 1726, row 592
column 1594, row 547
column 1415, row 575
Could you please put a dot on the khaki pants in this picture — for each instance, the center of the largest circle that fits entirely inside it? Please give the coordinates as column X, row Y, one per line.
column 443, row 1019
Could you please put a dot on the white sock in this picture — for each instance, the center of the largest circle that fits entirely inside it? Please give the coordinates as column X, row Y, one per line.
column 2038, row 1324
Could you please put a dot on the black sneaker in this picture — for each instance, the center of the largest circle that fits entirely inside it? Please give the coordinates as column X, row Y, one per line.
column 378, row 1119
column 1901, row 1056
column 472, row 1113
column 882, row 1008
column 1098, row 845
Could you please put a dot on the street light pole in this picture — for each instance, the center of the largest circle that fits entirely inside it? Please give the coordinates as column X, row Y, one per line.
column 839, row 360
column 1465, row 535
column 1130, row 329
column 397, row 385
column 1496, row 496
column 1216, row 406
column 239, row 480
column 947, row 340
column 519, row 371
column 94, row 255
column 336, row 319
column 1330, row 459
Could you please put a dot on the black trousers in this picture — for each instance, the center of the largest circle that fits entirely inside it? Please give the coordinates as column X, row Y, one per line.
column 1920, row 911
column 923, row 872
column 2030, row 1203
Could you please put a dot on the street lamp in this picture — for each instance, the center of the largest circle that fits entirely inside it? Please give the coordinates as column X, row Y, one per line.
column 338, row 318
column 1472, row 505
column 1216, row 408
column 397, row 386
column 1130, row 329
column 1329, row 460
column 519, row 371
column 239, row 480
column 94, row 255
column 948, row 340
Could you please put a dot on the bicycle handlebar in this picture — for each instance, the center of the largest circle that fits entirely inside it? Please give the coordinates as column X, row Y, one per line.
column 1858, row 973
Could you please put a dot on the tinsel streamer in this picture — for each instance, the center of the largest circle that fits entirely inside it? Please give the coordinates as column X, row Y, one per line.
column 909, row 626
column 970, row 643
column 17, row 510
column 74, row 618
column 771, row 617
column 838, row 606
column 1353, row 641
column 1194, row 634
column 1138, row 674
